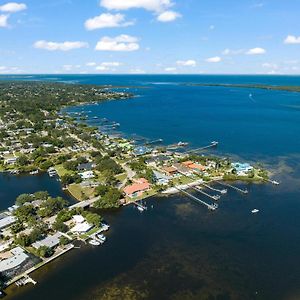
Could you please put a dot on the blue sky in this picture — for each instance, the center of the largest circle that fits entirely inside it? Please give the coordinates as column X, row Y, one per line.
column 150, row 36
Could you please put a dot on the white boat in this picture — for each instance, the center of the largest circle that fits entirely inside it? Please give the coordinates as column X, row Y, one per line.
column 255, row 211
column 34, row 172
column 101, row 237
column 141, row 209
column 94, row 243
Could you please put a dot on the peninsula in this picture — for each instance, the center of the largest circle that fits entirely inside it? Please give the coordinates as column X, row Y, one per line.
column 97, row 169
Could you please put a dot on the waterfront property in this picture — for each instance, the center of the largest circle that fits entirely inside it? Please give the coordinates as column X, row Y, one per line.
column 12, row 259
column 137, row 188
column 50, row 241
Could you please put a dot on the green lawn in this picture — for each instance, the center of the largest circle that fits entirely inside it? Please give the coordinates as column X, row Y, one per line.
column 79, row 192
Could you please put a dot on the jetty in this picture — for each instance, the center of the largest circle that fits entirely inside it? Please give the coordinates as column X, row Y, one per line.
column 223, row 191
column 154, row 142
column 209, row 206
column 273, row 182
column 233, row 187
column 214, row 197
column 211, row 145
column 25, row 280
column 140, row 206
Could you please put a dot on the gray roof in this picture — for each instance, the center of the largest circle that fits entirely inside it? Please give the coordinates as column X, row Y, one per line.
column 50, row 241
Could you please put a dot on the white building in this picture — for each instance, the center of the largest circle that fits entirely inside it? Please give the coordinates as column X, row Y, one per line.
column 18, row 256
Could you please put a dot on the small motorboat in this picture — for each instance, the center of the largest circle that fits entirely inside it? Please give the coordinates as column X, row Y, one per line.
column 101, row 237
column 94, row 243
column 254, row 211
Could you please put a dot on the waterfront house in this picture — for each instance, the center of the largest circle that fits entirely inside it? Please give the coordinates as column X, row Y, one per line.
column 81, row 226
column 241, row 169
column 137, row 188
column 13, row 259
column 50, row 241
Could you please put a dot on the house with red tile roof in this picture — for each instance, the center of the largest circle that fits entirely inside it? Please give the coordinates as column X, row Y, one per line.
column 137, row 188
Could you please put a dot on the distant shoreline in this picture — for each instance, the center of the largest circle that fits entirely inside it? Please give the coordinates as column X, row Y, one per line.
column 253, row 86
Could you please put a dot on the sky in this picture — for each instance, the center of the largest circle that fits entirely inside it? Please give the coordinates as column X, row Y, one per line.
column 150, row 36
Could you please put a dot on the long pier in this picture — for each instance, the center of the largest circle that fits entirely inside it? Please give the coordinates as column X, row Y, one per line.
column 211, row 145
column 209, row 206
column 233, row 187
column 224, row 191
column 154, row 142
column 214, row 197
column 273, row 182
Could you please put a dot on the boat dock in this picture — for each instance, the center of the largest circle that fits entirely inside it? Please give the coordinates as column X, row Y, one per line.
column 273, row 182
column 25, row 280
column 224, row 191
column 140, row 206
column 233, row 187
column 211, row 145
column 154, row 142
column 209, row 206
column 214, row 197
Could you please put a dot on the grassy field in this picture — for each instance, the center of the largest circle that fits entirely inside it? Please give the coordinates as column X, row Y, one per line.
column 79, row 192
column 61, row 171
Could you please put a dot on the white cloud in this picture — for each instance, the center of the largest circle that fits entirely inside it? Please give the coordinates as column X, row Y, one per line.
column 168, row 16
column 111, row 64
column 291, row 39
column 10, row 70
column 137, row 71
column 3, row 20
column 211, row 27
column 106, row 21
column 12, row 7
column 256, row 51
column 214, row 59
column 151, row 5
column 108, row 66
column 91, row 64
column 69, row 68
column 270, row 66
column 186, row 63
column 228, row 51
column 170, row 69
column 64, row 46
column 122, row 42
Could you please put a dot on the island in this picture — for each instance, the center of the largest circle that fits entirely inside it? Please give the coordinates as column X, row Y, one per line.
column 99, row 170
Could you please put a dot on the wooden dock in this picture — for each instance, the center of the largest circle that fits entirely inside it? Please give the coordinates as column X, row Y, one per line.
column 209, row 206
column 211, row 145
column 214, row 197
column 224, row 191
column 233, row 187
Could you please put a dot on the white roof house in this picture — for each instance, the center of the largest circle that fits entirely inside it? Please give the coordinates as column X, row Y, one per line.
column 78, row 219
column 87, row 175
column 17, row 258
column 81, row 227
column 50, row 241
column 7, row 221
